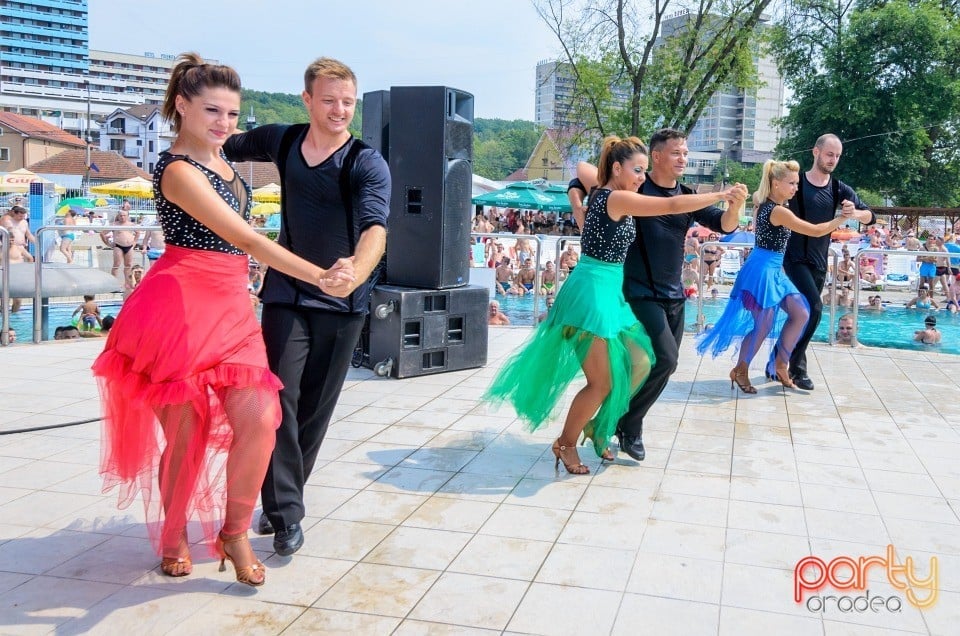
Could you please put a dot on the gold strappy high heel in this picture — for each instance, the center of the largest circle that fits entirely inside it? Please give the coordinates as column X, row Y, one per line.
column 588, row 432
column 254, row 575
column 574, row 468
column 179, row 565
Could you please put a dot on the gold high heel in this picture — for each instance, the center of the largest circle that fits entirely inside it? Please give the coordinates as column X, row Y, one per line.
column 783, row 375
column 177, row 566
column 254, row 575
column 577, row 468
column 588, row 432
column 740, row 375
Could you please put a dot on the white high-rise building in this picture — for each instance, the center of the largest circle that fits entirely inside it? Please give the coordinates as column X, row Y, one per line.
column 554, row 94
column 48, row 71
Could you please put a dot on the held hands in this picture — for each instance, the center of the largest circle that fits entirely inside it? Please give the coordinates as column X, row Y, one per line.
column 735, row 195
column 339, row 279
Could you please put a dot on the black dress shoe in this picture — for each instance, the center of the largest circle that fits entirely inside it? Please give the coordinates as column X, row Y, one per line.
column 803, row 382
column 632, row 445
column 264, row 526
column 288, row 540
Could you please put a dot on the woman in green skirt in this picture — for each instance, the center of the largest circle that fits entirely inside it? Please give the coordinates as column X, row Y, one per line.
column 591, row 327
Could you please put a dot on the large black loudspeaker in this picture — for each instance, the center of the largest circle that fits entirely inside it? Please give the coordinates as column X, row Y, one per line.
column 376, row 121
column 422, row 331
column 430, row 157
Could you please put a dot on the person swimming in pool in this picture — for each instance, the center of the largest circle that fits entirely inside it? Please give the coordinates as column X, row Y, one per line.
column 923, row 300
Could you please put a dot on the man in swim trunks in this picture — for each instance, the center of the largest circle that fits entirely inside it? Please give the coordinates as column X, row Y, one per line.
column 505, row 277
column 527, row 276
column 122, row 242
column 548, row 279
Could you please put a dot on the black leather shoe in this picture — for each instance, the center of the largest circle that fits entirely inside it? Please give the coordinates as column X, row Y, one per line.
column 803, row 382
column 264, row 526
column 632, row 445
column 288, row 540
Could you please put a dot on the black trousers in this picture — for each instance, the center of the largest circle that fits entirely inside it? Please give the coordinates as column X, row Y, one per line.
column 663, row 320
column 809, row 280
column 310, row 351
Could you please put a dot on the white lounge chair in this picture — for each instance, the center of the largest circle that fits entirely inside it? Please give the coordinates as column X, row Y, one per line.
column 902, row 272
column 730, row 263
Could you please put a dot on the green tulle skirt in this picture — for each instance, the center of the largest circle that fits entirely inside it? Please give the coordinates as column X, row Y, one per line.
column 589, row 306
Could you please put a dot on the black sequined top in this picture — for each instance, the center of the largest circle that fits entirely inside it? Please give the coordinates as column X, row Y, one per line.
column 603, row 238
column 181, row 229
column 770, row 237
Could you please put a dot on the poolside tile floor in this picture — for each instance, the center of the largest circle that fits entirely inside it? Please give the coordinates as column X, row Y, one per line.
column 431, row 513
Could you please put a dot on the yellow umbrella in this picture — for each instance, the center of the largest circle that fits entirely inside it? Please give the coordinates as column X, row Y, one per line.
column 133, row 187
column 20, row 180
column 269, row 193
column 265, row 209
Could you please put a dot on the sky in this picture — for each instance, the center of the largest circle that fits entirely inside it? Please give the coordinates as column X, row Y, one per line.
column 489, row 48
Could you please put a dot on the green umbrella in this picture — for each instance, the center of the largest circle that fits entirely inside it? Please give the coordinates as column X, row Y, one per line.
column 73, row 202
column 524, row 196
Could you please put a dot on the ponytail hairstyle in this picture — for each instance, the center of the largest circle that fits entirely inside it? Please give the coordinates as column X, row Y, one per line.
column 772, row 169
column 616, row 150
column 189, row 77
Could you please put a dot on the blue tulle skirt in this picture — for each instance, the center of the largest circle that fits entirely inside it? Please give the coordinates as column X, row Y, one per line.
column 760, row 288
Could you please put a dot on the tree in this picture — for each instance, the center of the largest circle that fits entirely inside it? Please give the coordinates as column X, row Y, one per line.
column 501, row 147
column 885, row 78
column 664, row 67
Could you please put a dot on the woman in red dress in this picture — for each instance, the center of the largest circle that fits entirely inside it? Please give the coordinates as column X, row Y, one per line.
column 189, row 402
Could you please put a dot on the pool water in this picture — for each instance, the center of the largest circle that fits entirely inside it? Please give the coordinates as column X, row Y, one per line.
column 893, row 327
column 61, row 314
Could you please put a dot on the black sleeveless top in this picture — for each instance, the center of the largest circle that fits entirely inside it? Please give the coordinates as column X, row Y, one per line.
column 603, row 238
column 181, row 229
column 770, row 237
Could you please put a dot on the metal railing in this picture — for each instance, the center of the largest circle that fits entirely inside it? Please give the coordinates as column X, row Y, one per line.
column 537, row 251
column 5, row 262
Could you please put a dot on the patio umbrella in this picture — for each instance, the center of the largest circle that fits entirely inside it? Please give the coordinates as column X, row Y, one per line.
column 560, row 202
column 269, row 193
column 73, row 202
column 844, row 234
column 740, row 236
column 524, row 196
column 265, row 209
column 20, row 180
column 134, row 187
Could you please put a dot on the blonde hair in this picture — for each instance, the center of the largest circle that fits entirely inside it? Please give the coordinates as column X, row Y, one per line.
column 188, row 79
column 616, row 150
column 773, row 170
column 329, row 68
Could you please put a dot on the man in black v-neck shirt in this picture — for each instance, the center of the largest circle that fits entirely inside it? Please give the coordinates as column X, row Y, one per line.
column 805, row 261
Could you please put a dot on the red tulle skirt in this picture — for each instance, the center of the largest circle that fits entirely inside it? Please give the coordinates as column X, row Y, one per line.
column 186, row 394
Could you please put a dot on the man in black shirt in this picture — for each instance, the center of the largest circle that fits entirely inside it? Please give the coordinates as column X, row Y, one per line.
column 805, row 261
column 335, row 201
column 652, row 271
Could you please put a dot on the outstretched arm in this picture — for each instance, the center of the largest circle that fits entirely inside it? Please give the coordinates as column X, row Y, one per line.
column 587, row 173
column 783, row 216
column 186, row 187
column 625, row 203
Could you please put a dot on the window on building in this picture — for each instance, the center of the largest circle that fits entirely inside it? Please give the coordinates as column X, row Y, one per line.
column 4, row 154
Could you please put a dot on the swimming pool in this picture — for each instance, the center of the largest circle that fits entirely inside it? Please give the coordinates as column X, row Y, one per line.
column 60, row 314
column 893, row 327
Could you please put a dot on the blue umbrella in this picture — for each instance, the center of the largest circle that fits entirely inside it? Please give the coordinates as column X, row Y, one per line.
column 740, row 236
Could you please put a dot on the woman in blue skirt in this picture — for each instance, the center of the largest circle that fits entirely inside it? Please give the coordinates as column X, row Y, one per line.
column 591, row 327
column 762, row 289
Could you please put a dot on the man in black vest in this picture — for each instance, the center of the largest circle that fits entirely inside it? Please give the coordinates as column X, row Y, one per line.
column 805, row 261
column 335, row 202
